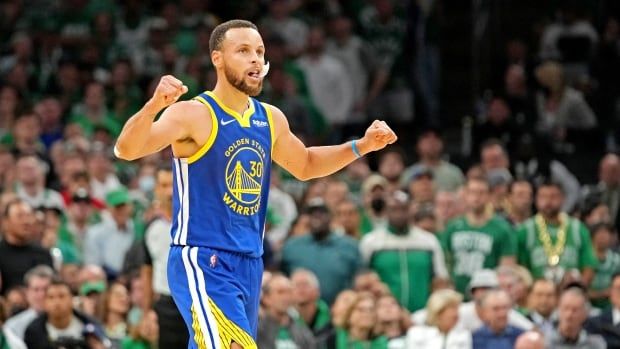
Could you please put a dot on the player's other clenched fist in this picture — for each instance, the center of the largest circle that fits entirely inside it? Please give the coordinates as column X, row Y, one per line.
column 167, row 91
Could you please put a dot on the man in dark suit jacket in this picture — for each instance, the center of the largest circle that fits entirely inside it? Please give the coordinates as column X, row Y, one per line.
column 608, row 323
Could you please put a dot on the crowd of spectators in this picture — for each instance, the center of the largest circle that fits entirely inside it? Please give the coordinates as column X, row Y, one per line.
column 515, row 246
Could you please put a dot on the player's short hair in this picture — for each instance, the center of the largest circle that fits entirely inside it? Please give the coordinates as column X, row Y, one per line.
column 219, row 33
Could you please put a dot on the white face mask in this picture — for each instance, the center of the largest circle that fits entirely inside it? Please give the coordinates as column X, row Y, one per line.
column 146, row 184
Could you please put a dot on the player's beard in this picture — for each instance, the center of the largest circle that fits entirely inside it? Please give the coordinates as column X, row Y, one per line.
column 239, row 83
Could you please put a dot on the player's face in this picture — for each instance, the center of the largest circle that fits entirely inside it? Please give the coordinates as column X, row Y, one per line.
column 243, row 59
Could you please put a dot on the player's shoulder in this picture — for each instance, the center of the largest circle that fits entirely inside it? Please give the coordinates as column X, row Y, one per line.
column 190, row 112
column 275, row 111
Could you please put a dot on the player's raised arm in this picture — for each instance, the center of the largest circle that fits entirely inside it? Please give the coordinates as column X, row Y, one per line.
column 141, row 136
column 312, row 162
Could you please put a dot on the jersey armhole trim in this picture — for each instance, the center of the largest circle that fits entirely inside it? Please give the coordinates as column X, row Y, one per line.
column 272, row 130
column 214, row 128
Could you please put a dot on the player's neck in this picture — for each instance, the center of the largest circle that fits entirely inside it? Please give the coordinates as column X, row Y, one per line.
column 231, row 97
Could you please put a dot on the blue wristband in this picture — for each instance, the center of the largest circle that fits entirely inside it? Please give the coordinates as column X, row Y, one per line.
column 355, row 150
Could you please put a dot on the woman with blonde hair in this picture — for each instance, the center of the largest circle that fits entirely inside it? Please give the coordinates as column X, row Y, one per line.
column 358, row 327
column 439, row 331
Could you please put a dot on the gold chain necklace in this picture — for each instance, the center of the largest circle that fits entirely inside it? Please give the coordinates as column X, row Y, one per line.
column 552, row 251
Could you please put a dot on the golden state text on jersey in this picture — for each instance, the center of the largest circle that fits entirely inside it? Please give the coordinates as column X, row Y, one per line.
column 220, row 193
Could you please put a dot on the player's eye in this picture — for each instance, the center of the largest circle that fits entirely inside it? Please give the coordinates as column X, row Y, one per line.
column 243, row 50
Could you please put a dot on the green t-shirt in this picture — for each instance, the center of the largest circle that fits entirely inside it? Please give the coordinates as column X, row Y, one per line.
column 284, row 339
column 130, row 343
column 602, row 276
column 344, row 342
column 322, row 318
column 469, row 248
column 578, row 252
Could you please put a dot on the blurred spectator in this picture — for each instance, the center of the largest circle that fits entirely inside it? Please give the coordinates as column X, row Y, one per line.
column 328, row 81
column 516, row 281
column 396, row 251
column 8, row 340
column 336, row 191
column 608, row 186
column 106, row 243
column 313, row 311
column 358, row 326
column 280, row 21
column 341, row 306
column 421, row 186
column 383, row 29
column 374, row 191
column 608, row 264
column 439, row 331
column 347, row 218
column 496, row 332
column 357, row 58
column 37, row 280
column 10, row 101
column 7, row 169
column 551, row 242
column 19, row 252
column 16, row 300
column 283, row 93
column 101, row 171
column 446, row 207
column 499, row 182
column 571, row 39
column 49, row 111
column 277, row 329
column 79, row 217
column 115, row 308
column 519, row 203
column 30, row 184
column 25, row 136
column 530, row 340
column 518, row 96
column 92, row 283
column 423, row 217
column 572, row 313
column 333, row 259
column 154, row 272
column 391, row 164
column 430, row 148
column 479, row 239
column 60, row 325
column 471, row 313
column 145, row 334
column 498, row 124
column 607, row 322
column 94, row 112
column 560, row 107
column 543, row 300
column 493, row 156
column 392, row 321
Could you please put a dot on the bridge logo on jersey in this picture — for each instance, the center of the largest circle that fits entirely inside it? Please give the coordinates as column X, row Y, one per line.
column 244, row 176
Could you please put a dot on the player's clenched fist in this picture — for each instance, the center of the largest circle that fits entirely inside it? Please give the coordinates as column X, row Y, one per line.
column 167, row 91
column 377, row 136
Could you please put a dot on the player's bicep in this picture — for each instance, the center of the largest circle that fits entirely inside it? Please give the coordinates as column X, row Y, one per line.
column 168, row 129
column 289, row 151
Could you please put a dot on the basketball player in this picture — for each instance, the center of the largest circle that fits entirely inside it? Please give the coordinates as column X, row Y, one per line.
column 223, row 143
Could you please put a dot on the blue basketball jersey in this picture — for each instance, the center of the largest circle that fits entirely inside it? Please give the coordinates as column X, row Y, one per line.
column 220, row 193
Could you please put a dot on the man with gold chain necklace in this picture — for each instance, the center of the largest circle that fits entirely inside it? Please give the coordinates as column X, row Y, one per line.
column 551, row 242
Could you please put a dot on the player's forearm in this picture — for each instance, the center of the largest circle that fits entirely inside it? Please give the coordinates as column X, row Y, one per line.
column 136, row 133
column 325, row 160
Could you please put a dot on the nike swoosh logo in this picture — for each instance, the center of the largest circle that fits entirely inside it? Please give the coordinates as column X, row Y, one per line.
column 224, row 123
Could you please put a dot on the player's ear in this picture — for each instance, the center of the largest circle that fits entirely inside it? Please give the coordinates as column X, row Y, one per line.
column 216, row 58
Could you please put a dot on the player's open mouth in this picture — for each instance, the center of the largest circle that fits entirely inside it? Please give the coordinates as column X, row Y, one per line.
column 254, row 75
